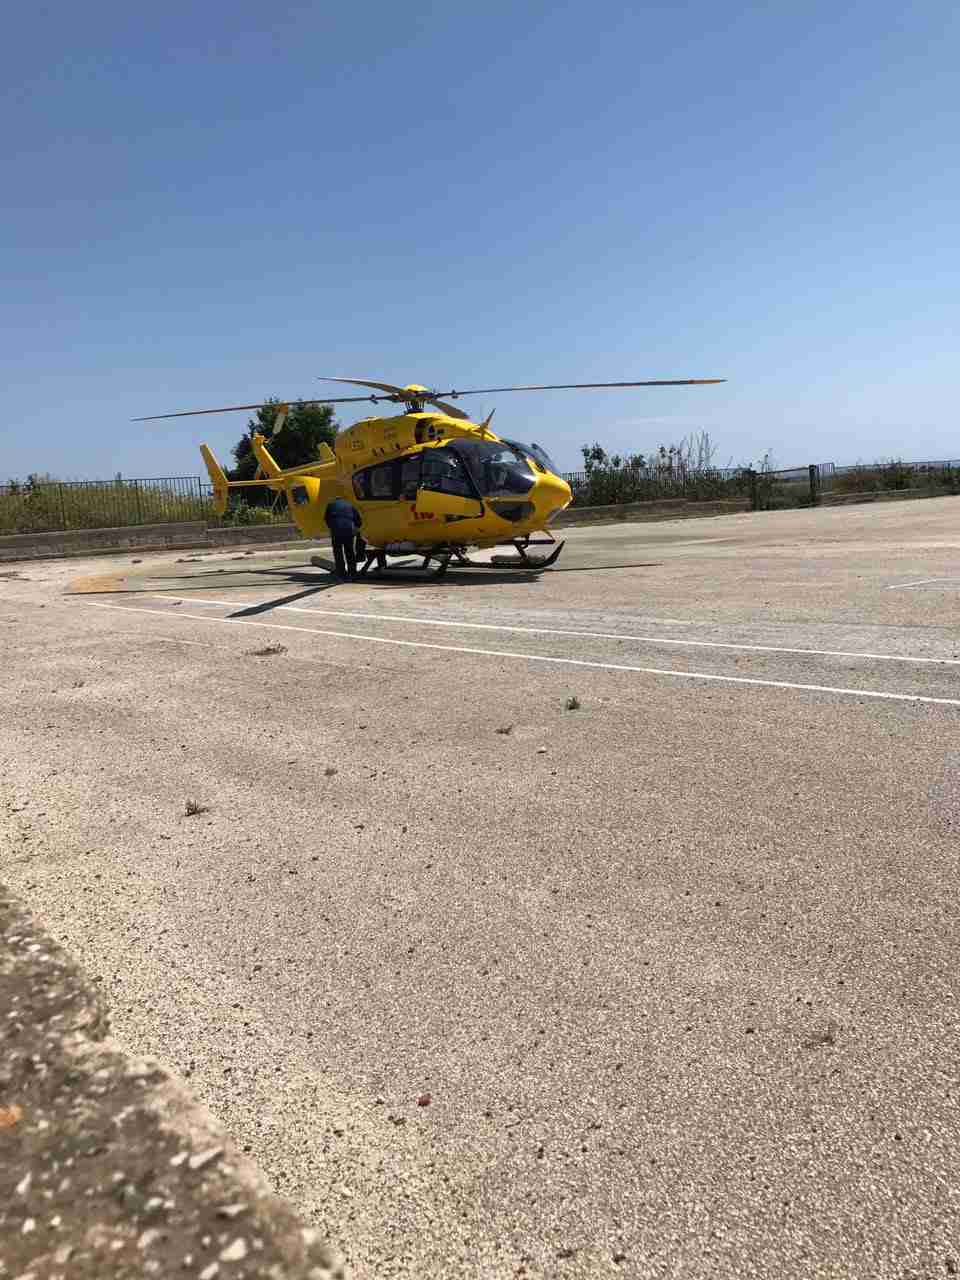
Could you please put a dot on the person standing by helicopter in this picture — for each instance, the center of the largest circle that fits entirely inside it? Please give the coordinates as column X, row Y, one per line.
column 343, row 520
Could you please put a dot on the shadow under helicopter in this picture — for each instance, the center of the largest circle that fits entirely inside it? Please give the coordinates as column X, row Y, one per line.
column 394, row 577
column 316, row 580
column 408, row 573
column 402, row 575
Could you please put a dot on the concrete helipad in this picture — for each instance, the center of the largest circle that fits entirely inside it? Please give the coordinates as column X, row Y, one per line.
column 661, row 985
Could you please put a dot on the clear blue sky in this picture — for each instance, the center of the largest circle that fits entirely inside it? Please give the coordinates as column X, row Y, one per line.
column 212, row 204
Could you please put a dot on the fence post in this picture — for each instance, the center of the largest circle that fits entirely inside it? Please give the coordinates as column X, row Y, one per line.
column 63, row 508
column 754, row 490
column 136, row 490
column 814, row 472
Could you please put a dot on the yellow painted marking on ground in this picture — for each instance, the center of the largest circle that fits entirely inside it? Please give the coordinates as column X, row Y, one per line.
column 102, row 582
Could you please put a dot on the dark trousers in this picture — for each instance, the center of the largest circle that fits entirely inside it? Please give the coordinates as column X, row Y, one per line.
column 344, row 552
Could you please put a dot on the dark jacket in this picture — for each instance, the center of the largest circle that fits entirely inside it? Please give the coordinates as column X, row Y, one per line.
column 342, row 517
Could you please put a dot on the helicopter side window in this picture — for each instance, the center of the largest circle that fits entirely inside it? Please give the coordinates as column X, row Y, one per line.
column 383, row 481
column 376, row 484
column 443, row 472
column 299, row 495
column 410, row 478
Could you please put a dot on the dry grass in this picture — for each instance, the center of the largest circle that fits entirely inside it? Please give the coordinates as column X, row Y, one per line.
column 895, row 474
column 44, row 505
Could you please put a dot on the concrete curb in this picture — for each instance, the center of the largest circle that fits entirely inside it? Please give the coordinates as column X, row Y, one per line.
column 109, row 1169
column 164, row 538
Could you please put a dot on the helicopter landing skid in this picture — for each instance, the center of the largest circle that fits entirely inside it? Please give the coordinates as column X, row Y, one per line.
column 524, row 565
column 376, row 564
column 445, row 557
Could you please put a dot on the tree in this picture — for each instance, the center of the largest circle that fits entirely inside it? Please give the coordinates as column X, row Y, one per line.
column 594, row 458
column 296, row 444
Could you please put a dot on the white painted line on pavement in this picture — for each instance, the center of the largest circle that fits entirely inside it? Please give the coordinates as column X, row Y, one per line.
column 231, row 604
column 533, row 657
column 924, row 582
column 584, row 635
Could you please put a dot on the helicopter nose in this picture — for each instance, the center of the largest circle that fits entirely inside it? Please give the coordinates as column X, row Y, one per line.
column 554, row 495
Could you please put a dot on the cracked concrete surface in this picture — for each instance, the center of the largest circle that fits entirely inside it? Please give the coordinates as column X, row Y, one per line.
column 108, row 1168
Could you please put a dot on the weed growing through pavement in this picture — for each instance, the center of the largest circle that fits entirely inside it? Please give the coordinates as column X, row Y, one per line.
column 267, row 651
column 573, row 704
column 193, row 807
column 506, row 728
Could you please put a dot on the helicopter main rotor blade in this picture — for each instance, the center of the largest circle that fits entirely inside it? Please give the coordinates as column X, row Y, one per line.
column 403, row 395
column 243, row 408
column 584, row 386
column 363, row 382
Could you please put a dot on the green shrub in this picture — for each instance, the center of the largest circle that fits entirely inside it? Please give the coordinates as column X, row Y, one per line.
column 242, row 515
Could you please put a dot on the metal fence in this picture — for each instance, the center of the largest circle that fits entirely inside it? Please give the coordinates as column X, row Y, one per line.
column 771, row 490
column 40, row 506
column 877, row 476
column 257, row 506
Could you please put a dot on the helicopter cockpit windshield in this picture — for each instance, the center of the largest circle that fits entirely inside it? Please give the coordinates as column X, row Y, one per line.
column 539, row 456
column 498, row 469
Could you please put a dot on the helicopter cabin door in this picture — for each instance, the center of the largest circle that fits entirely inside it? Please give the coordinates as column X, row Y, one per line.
column 447, row 492
column 388, row 493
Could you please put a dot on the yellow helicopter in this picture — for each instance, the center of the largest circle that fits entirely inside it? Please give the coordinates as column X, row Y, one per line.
column 428, row 483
